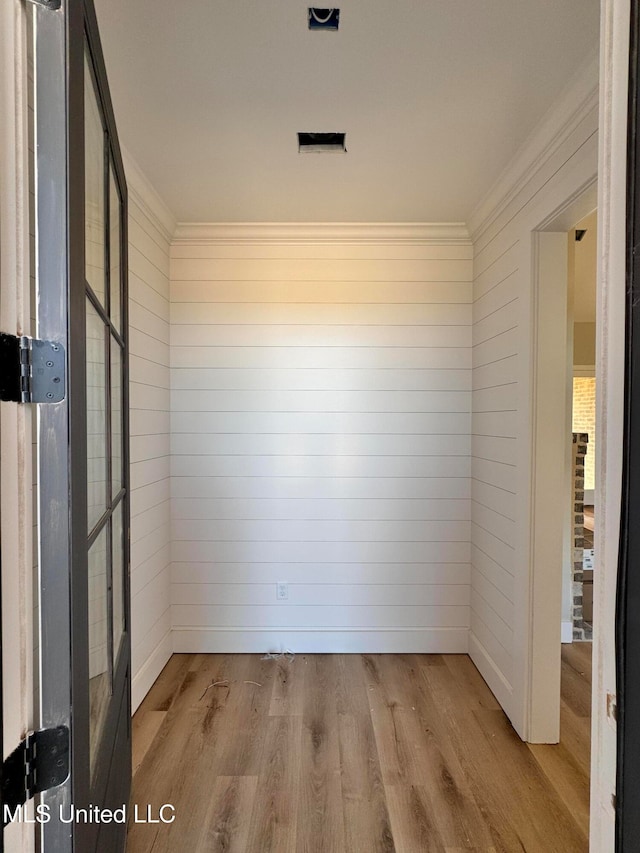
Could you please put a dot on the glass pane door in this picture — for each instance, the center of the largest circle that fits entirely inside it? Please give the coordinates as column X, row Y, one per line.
column 83, row 488
column 105, row 361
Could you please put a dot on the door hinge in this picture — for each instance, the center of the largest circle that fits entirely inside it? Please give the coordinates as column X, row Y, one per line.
column 31, row 371
column 40, row 762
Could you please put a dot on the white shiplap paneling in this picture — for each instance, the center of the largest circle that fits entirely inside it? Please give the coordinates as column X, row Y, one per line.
column 502, row 230
column 321, row 418
column 150, row 438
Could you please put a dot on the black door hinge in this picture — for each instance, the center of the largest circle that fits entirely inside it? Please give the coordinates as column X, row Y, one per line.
column 31, row 371
column 39, row 763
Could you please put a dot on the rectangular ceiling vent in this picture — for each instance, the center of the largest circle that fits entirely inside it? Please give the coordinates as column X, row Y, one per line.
column 324, row 19
column 315, row 143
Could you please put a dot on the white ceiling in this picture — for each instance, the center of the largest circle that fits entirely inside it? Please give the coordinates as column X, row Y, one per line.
column 435, row 97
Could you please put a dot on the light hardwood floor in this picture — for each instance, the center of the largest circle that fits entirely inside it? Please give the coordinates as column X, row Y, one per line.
column 357, row 753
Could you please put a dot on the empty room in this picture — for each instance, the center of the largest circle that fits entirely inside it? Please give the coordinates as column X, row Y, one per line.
column 313, row 320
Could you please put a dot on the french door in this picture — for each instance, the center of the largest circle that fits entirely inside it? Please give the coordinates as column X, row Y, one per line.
column 81, row 259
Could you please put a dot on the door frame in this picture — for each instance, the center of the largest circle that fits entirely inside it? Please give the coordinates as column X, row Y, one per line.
column 16, row 509
column 628, row 594
column 610, row 351
column 550, row 448
column 54, row 482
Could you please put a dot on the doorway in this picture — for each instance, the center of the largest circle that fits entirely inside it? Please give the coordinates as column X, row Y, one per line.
column 556, row 544
column 582, row 329
column 564, row 420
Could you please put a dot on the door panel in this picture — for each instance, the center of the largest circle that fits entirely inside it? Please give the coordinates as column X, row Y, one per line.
column 84, row 497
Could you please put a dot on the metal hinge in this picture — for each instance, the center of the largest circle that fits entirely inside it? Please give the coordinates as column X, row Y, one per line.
column 39, row 763
column 31, row 371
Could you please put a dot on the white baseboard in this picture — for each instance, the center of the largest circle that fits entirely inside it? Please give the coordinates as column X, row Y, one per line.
column 143, row 680
column 488, row 669
column 321, row 640
column 566, row 635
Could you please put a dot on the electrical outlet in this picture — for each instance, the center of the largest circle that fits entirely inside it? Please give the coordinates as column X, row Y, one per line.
column 282, row 591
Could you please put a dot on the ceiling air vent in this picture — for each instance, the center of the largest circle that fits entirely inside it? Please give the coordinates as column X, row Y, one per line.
column 324, row 19
column 319, row 142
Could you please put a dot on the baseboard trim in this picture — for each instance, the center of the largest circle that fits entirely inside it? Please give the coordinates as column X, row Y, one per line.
column 488, row 669
column 143, row 680
column 566, row 635
column 321, row 640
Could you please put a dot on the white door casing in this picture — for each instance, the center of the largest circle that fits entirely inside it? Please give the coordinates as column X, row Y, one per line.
column 16, row 424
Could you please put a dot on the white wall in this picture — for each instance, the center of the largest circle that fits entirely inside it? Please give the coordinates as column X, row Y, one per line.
column 150, row 227
column 559, row 162
column 320, row 437
column 494, row 459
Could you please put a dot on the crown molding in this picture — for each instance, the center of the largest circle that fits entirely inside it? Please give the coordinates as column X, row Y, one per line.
column 141, row 190
column 579, row 98
column 400, row 233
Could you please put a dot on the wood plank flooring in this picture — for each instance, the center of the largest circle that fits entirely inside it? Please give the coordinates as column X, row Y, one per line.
column 354, row 754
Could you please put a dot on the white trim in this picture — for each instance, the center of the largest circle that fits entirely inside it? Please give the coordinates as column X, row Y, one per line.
column 549, row 484
column 150, row 670
column 538, row 659
column 141, row 191
column 586, row 370
column 610, row 391
column 402, row 233
column 483, row 661
column 554, row 129
column 321, row 640
column 16, row 435
column 566, row 633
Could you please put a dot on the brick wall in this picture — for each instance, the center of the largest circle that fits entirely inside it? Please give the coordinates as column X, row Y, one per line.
column 584, row 420
column 581, row 629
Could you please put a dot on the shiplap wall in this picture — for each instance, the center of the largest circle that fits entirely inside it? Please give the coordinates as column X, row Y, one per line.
column 150, row 445
column 321, row 413
column 494, row 453
column 558, row 166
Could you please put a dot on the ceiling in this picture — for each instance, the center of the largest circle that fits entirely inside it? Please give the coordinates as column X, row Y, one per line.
column 435, row 96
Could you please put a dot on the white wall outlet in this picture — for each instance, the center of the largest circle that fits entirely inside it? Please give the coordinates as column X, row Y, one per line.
column 282, row 591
